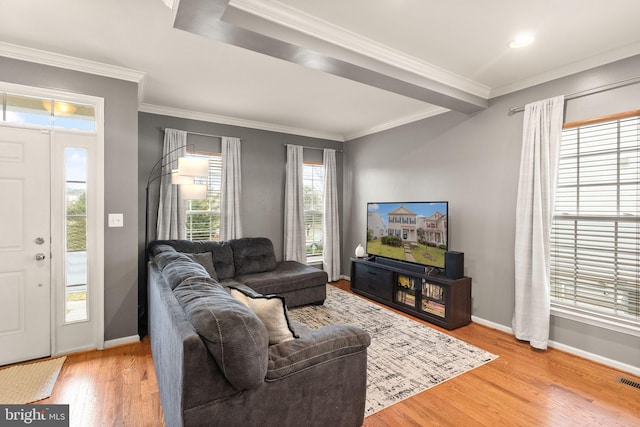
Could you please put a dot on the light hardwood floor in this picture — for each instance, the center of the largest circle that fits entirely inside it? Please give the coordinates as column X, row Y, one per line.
column 523, row 387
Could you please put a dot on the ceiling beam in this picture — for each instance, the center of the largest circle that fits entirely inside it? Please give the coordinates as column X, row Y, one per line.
column 209, row 18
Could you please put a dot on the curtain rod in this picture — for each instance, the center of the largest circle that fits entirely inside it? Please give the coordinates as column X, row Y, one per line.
column 623, row 83
column 311, row 148
column 200, row 134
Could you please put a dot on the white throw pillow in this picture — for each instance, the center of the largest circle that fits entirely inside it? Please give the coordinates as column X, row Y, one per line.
column 272, row 310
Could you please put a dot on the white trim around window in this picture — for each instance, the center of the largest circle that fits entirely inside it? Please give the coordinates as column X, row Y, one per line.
column 594, row 319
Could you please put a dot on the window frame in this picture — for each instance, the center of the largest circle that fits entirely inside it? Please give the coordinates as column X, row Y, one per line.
column 577, row 311
column 50, row 112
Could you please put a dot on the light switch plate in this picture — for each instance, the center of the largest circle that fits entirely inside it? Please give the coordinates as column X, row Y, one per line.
column 116, row 220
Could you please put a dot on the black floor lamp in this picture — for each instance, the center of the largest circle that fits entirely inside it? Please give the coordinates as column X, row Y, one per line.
column 188, row 169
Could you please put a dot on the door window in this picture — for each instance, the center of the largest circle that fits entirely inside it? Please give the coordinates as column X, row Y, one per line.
column 42, row 112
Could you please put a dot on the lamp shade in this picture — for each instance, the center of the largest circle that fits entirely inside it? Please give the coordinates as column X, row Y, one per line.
column 176, row 178
column 193, row 166
column 193, row 191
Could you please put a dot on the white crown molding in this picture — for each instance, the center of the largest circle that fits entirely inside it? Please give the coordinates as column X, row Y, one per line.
column 294, row 19
column 433, row 111
column 215, row 118
column 573, row 68
column 69, row 62
column 233, row 121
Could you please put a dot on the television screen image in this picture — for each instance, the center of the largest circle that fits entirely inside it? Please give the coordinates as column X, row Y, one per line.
column 415, row 232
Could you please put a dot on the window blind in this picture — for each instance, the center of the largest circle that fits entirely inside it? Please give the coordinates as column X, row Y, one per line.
column 595, row 237
column 313, row 182
column 203, row 216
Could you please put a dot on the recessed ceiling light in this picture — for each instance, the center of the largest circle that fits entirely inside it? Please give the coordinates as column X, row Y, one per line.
column 522, row 40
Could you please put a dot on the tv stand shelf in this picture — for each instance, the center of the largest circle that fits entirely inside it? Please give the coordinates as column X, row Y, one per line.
column 412, row 289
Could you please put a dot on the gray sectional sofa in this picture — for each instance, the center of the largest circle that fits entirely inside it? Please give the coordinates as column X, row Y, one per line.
column 252, row 261
column 212, row 353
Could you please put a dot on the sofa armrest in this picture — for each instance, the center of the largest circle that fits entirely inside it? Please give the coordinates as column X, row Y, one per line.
column 313, row 348
column 186, row 372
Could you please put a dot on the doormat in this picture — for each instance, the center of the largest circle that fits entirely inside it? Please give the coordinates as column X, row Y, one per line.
column 405, row 357
column 27, row 383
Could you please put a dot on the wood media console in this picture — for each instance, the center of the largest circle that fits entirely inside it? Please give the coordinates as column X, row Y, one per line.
column 409, row 288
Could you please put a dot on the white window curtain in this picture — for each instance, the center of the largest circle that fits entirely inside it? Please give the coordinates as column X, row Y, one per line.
column 330, row 219
column 231, row 186
column 294, row 241
column 541, row 136
column 171, row 209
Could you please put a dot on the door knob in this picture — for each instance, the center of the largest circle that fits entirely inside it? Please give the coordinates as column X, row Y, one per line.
column 40, row 256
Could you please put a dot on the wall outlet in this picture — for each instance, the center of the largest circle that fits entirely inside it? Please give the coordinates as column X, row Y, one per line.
column 116, row 220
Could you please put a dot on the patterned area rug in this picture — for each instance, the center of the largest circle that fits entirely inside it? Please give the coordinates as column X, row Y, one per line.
column 405, row 357
column 30, row 382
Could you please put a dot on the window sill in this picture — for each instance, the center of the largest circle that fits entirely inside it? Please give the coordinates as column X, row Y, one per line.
column 623, row 326
column 314, row 260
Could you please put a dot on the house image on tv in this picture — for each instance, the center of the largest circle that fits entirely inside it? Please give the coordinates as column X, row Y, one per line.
column 435, row 227
column 403, row 223
column 376, row 225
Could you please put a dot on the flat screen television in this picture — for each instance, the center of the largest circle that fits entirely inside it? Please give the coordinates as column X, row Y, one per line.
column 415, row 232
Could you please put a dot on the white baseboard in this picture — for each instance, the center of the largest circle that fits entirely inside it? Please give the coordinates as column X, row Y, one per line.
column 566, row 348
column 596, row 358
column 68, row 351
column 342, row 276
column 491, row 324
column 107, row 344
column 122, row 341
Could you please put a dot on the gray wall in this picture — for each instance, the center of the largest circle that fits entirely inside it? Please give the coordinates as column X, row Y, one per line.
column 121, row 171
column 263, row 171
column 473, row 162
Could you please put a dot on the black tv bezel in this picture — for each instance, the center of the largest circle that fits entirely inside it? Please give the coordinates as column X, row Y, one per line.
column 410, row 263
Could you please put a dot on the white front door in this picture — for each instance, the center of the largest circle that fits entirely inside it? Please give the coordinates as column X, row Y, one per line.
column 25, row 269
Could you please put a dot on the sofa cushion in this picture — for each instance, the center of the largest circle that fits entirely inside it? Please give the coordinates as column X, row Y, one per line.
column 206, row 260
column 222, row 258
column 236, row 338
column 163, row 255
column 288, row 276
column 221, row 253
column 272, row 311
column 177, row 267
column 156, row 247
column 253, row 255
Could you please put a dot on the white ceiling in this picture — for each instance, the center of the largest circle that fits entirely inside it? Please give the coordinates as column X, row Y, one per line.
column 452, row 54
